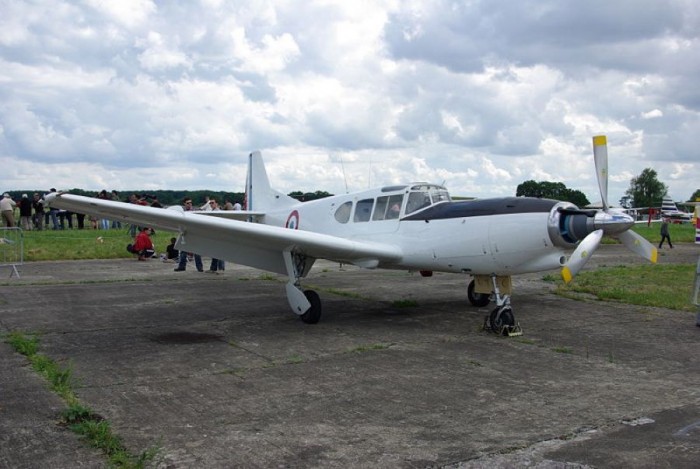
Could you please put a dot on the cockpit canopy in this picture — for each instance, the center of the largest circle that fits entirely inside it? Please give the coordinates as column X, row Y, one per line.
column 394, row 203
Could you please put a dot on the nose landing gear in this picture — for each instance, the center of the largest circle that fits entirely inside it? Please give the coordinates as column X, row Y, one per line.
column 501, row 320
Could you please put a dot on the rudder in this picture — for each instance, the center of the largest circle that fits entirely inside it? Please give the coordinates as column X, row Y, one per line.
column 260, row 197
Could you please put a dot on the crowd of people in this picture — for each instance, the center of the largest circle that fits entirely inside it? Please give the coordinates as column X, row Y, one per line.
column 33, row 214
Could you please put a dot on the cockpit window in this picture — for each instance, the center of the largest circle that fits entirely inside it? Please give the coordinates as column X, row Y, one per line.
column 422, row 196
column 342, row 214
column 416, row 201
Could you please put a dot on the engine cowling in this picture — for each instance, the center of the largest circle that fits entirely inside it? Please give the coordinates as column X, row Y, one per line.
column 567, row 224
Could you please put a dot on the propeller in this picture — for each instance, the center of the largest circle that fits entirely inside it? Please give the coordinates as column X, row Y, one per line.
column 605, row 221
column 600, row 157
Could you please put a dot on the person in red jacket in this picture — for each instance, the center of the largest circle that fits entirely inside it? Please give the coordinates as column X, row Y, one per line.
column 143, row 246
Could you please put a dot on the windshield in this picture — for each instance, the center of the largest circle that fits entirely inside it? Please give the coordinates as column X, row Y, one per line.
column 425, row 195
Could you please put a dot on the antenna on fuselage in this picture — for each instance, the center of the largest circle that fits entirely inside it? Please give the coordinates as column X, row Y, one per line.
column 369, row 174
column 345, row 178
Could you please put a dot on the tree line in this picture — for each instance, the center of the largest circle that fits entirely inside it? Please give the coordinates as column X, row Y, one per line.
column 175, row 197
column 645, row 190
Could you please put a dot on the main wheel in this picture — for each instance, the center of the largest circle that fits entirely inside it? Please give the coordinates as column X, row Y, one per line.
column 505, row 318
column 314, row 312
column 477, row 299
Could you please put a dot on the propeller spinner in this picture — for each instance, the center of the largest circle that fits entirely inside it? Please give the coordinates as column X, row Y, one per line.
column 604, row 221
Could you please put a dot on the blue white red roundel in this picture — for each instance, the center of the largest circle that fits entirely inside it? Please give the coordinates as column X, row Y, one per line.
column 293, row 220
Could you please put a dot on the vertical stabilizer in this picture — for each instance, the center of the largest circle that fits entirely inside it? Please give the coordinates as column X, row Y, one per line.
column 260, row 197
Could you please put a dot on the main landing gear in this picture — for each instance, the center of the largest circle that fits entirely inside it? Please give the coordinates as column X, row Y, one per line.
column 305, row 303
column 501, row 320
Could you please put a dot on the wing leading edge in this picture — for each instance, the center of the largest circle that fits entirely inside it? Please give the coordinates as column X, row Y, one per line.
column 252, row 244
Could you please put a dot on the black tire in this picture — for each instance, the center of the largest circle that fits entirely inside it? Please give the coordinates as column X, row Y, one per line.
column 313, row 314
column 477, row 299
column 497, row 321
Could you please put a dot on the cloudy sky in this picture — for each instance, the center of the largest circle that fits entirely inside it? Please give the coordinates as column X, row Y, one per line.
column 480, row 95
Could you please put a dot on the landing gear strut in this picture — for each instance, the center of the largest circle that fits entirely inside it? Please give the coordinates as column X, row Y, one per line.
column 306, row 304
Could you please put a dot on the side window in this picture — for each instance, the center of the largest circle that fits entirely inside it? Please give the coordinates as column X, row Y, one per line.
column 380, row 208
column 342, row 214
column 363, row 210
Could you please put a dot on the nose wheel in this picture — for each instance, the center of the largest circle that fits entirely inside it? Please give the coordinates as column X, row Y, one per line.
column 501, row 320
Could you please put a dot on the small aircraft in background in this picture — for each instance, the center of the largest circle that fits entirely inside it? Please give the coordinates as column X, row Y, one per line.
column 415, row 227
column 670, row 211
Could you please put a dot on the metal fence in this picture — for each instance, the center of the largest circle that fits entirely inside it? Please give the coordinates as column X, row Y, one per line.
column 11, row 249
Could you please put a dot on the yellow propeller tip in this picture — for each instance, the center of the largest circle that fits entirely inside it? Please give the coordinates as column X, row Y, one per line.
column 654, row 255
column 600, row 140
column 566, row 275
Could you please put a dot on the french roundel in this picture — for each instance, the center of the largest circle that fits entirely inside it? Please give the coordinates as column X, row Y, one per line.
column 293, row 220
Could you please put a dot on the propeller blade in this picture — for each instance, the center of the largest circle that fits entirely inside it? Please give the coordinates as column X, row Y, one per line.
column 581, row 255
column 600, row 156
column 637, row 244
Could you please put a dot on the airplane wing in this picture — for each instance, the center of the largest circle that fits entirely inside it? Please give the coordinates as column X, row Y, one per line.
column 252, row 244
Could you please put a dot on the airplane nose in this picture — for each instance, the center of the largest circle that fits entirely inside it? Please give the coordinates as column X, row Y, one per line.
column 612, row 223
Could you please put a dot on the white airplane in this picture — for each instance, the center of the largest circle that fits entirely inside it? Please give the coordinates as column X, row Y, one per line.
column 414, row 227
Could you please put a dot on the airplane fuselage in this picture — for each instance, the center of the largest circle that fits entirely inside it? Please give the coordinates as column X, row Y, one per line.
column 504, row 236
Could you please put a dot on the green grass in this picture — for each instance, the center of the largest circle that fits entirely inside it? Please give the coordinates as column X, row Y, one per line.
column 80, row 419
column 680, row 233
column 49, row 245
column 368, row 347
column 664, row 286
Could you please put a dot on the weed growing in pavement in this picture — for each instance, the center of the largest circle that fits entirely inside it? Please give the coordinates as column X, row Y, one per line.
column 367, row 348
column 404, row 303
column 77, row 417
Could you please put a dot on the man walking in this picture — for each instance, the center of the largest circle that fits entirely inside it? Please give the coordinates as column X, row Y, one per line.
column 664, row 233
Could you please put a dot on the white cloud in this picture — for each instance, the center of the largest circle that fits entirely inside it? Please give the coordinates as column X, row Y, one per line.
column 482, row 95
column 652, row 114
column 129, row 13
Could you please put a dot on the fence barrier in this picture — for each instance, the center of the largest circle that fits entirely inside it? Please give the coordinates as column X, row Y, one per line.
column 11, row 249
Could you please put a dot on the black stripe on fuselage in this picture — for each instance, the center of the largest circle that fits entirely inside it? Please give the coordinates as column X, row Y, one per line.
column 484, row 207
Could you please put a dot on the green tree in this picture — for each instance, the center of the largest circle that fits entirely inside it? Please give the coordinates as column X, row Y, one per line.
column 306, row 196
column 551, row 190
column 695, row 197
column 646, row 190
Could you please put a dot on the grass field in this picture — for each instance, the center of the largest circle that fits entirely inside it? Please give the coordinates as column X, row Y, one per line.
column 49, row 245
column 662, row 286
column 680, row 233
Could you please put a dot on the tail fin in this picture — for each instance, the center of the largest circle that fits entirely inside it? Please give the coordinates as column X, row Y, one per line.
column 260, row 197
column 668, row 205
